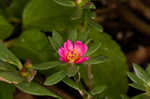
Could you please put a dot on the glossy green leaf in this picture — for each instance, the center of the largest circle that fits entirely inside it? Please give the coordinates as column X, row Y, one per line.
column 6, row 91
column 34, row 45
column 96, row 60
column 11, row 77
column 35, row 89
column 57, row 38
column 55, row 78
column 6, row 28
column 140, row 73
column 47, row 15
column 93, row 49
column 9, row 57
column 71, row 83
column 67, row 3
column 98, row 90
column 47, row 65
column 114, row 68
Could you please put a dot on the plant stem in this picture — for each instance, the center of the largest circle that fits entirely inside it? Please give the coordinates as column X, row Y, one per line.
column 90, row 77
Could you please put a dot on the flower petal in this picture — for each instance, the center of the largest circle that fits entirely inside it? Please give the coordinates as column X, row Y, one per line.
column 81, row 60
column 63, row 59
column 80, row 47
column 61, row 52
column 68, row 45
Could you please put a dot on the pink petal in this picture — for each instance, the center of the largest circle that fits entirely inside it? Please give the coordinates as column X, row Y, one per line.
column 68, row 45
column 61, row 52
column 63, row 59
column 81, row 60
column 80, row 47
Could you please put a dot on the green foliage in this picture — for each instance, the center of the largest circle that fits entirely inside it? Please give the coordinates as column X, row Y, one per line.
column 64, row 19
column 6, row 91
column 98, row 90
column 11, row 77
column 141, row 79
column 141, row 96
column 9, row 57
column 6, row 28
column 114, row 68
column 35, row 89
column 67, row 3
column 55, row 78
column 48, row 15
column 71, row 83
column 34, row 45
column 96, row 60
column 47, row 65
column 16, row 8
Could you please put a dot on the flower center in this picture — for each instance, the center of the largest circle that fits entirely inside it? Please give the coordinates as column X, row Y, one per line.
column 73, row 56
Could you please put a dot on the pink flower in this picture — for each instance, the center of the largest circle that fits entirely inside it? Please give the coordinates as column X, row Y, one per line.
column 73, row 53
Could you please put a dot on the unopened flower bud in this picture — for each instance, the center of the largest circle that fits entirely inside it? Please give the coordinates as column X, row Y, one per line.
column 24, row 73
column 28, row 64
column 78, row 2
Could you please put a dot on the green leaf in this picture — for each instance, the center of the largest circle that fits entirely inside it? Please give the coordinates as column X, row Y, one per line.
column 55, row 78
column 71, row 69
column 16, row 8
column 6, row 28
column 134, row 78
column 34, row 45
column 77, row 14
column 138, row 83
column 140, row 73
column 6, row 67
column 148, row 69
column 114, row 69
column 141, row 96
column 57, row 38
column 96, row 60
column 96, row 26
column 124, row 97
column 93, row 49
column 11, row 77
column 47, row 15
column 9, row 57
column 71, row 83
column 47, row 65
column 138, row 86
column 67, row 3
column 53, row 43
column 98, row 90
column 72, row 35
column 35, row 89
column 6, row 91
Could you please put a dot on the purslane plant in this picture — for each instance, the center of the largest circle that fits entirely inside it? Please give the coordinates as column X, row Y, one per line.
column 74, row 51
column 141, row 79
